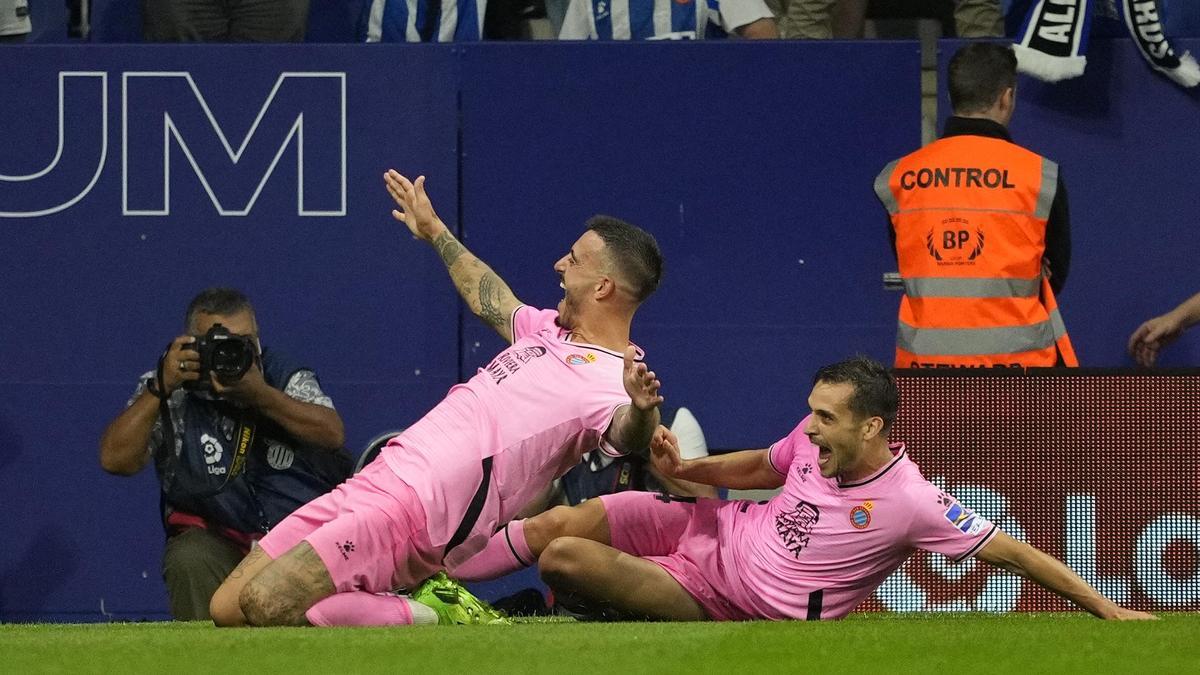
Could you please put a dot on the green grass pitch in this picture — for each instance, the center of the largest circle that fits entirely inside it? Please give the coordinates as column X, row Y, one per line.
column 868, row 644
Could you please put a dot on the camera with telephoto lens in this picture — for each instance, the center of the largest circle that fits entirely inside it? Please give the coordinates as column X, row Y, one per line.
column 223, row 353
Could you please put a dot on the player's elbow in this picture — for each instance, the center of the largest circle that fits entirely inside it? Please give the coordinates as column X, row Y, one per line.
column 1017, row 558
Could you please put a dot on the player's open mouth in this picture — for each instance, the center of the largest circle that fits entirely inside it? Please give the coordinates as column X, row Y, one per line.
column 823, row 455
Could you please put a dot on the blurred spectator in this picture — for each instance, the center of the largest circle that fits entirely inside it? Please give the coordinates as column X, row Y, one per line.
column 820, row 19
column 14, row 21
column 845, row 19
column 422, row 21
column 1153, row 335
column 224, row 20
column 668, row 20
column 978, row 18
column 981, row 231
column 234, row 454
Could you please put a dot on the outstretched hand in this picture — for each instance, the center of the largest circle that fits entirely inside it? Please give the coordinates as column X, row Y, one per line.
column 416, row 211
column 1152, row 336
column 664, row 452
column 641, row 383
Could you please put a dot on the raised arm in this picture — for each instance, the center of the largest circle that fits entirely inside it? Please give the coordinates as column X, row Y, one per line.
column 1026, row 561
column 484, row 292
column 742, row 470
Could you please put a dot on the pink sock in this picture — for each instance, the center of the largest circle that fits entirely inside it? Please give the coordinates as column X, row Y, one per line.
column 360, row 608
column 506, row 552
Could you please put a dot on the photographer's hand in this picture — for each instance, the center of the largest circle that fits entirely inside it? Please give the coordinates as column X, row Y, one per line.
column 124, row 446
column 307, row 422
column 251, row 390
column 180, row 364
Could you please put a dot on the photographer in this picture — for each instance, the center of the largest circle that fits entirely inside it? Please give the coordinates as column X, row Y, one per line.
column 240, row 438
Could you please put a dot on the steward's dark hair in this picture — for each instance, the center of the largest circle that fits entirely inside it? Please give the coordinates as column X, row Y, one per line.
column 978, row 74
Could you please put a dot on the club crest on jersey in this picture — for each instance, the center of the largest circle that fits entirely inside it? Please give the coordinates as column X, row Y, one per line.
column 963, row 518
column 580, row 359
column 860, row 516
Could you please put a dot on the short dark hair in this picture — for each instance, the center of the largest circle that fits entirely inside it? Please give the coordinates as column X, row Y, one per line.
column 875, row 393
column 978, row 74
column 634, row 252
column 217, row 300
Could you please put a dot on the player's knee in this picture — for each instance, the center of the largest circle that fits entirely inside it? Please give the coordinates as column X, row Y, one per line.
column 548, row 526
column 260, row 606
column 562, row 562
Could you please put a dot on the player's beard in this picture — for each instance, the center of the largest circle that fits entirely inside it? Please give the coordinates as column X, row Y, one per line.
column 568, row 310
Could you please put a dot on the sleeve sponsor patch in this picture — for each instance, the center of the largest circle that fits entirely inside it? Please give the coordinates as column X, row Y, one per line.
column 965, row 519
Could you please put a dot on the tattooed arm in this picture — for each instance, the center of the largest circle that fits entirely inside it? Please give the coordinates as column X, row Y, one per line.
column 481, row 288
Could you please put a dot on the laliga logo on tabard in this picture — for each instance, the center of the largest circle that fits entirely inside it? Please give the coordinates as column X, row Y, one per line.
column 212, row 453
column 167, row 124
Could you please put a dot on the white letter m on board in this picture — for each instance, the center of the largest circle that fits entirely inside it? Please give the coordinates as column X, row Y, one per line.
column 304, row 111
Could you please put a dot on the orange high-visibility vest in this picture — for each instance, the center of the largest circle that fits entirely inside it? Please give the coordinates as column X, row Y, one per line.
column 970, row 218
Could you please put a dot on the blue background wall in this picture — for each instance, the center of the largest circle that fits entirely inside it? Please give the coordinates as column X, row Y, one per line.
column 751, row 163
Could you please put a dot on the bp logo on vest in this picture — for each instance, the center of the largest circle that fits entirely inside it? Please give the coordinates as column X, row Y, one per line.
column 955, row 242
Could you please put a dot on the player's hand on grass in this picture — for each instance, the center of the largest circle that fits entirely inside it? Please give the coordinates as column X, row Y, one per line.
column 664, row 452
column 641, row 383
column 1123, row 614
column 416, row 211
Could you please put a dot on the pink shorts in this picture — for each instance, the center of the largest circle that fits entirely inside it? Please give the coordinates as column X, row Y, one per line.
column 369, row 531
column 680, row 536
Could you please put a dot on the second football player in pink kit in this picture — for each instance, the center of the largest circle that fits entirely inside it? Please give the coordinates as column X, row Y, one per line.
column 852, row 509
column 570, row 382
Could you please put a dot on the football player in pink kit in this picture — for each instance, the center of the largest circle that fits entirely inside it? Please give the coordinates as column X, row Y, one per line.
column 852, row 510
column 570, row 382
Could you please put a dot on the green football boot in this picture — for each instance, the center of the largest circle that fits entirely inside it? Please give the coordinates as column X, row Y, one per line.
column 455, row 604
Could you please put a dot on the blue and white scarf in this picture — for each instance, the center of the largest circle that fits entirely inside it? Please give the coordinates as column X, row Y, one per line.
column 1052, row 43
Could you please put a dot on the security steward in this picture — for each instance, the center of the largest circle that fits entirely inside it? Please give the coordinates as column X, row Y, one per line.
column 981, row 232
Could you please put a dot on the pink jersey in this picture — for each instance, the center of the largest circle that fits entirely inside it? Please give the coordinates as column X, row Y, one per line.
column 497, row 440
column 819, row 548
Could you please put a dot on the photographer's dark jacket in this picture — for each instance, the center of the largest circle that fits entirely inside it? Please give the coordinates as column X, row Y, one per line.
column 202, row 477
